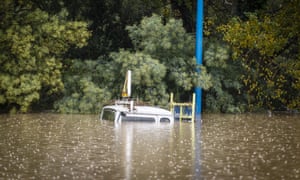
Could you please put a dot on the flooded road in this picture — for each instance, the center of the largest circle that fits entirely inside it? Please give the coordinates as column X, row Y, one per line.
column 50, row 146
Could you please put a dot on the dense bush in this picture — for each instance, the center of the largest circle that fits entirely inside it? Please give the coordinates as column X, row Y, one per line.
column 82, row 94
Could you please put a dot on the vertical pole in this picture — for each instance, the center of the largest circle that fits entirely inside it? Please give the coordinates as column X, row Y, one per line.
column 129, row 83
column 199, row 40
column 171, row 103
column 193, row 108
column 180, row 113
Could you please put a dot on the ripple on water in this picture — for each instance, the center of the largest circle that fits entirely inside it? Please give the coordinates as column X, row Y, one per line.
column 50, row 146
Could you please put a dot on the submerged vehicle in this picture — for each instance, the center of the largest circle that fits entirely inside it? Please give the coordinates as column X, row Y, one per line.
column 128, row 109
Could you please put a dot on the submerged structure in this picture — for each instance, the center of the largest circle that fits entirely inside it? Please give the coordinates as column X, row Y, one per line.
column 128, row 109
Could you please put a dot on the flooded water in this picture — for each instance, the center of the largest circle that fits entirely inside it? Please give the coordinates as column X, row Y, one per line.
column 49, row 146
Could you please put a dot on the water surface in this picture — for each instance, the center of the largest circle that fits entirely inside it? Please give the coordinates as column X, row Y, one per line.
column 51, row 146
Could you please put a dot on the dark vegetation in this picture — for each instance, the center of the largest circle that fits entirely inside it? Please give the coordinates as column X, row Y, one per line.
column 71, row 56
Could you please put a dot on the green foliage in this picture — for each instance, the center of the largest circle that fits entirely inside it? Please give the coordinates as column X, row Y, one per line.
column 225, row 95
column 32, row 44
column 107, row 19
column 86, row 99
column 174, row 48
column 36, row 35
column 82, row 94
column 147, row 77
column 162, row 62
column 267, row 45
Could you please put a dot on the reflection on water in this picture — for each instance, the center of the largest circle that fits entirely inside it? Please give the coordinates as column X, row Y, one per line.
column 49, row 146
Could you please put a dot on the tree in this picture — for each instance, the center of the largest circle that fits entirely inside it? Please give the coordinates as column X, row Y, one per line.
column 85, row 87
column 186, row 11
column 226, row 94
column 147, row 75
column 172, row 49
column 107, row 21
column 267, row 45
column 32, row 45
column 162, row 61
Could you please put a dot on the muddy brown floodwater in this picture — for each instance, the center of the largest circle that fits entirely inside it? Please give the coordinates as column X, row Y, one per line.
column 51, row 146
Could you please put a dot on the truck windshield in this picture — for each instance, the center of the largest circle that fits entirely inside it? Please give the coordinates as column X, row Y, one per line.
column 108, row 114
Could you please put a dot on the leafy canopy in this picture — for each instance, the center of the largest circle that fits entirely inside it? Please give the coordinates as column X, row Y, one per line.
column 82, row 92
column 173, row 47
column 32, row 45
column 267, row 45
column 165, row 52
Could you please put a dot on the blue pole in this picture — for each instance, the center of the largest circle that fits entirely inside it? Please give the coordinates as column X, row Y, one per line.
column 199, row 40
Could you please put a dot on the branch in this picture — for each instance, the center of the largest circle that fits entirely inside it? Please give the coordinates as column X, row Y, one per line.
column 228, row 3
